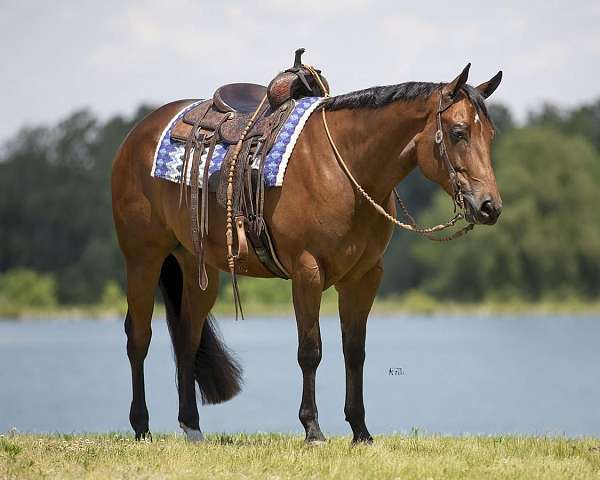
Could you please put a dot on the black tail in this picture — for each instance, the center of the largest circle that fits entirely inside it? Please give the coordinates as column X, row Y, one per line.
column 218, row 374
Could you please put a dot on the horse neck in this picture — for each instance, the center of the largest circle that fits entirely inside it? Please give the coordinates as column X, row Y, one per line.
column 374, row 141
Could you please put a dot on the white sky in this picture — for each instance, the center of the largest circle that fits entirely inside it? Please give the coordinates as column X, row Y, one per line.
column 111, row 56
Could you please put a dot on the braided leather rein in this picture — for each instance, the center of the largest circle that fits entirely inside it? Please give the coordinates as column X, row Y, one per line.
column 231, row 256
column 457, row 195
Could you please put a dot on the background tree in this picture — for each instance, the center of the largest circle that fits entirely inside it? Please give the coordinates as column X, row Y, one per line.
column 55, row 213
column 548, row 239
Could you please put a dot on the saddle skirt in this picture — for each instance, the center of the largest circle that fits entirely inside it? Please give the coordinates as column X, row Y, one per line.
column 168, row 159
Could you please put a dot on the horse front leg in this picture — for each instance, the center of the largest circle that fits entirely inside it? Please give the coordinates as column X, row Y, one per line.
column 355, row 302
column 307, row 288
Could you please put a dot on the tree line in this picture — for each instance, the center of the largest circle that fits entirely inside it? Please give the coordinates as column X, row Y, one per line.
column 56, row 221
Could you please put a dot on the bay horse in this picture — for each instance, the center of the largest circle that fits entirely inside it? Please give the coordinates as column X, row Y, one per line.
column 325, row 232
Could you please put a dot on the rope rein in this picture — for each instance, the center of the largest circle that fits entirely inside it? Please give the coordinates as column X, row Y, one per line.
column 412, row 226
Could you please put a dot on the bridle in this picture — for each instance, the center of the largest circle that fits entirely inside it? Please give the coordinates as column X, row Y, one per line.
column 457, row 194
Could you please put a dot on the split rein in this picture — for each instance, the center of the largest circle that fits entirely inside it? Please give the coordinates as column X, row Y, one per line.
column 412, row 226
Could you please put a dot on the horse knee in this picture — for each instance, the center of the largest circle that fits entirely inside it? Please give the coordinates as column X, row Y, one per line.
column 309, row 355
column 138, row 338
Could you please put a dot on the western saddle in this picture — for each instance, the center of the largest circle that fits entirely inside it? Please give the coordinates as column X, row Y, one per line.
column 238, row 97
column 247, row 117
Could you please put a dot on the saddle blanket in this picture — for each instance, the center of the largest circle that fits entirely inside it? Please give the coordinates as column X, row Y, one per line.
column 168, row 157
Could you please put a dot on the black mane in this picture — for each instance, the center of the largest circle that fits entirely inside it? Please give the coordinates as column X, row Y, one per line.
column 376, row 97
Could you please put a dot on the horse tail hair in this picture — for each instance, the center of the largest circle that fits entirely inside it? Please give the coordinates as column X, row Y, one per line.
column 218, row 373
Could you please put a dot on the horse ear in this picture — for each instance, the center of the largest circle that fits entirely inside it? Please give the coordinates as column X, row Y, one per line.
column 452, row 88
column 489, row 87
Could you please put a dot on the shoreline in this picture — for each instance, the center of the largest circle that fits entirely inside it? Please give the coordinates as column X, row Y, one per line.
column 422, row 306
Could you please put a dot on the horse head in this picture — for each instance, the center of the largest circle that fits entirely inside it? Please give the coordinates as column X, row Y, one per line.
column 454, row 149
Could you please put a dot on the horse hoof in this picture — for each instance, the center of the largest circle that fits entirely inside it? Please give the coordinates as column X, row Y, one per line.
column 315, row 437
column 315, row 442
column 191, row 434
column 363, row 440
column 143, row 436
column 194, row 436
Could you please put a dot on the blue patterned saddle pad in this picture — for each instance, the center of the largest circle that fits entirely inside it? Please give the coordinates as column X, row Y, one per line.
column 168, row 157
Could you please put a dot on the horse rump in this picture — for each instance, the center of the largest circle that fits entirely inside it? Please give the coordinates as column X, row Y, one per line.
column 218, row 374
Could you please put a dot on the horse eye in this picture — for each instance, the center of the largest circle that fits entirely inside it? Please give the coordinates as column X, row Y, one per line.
column 459, row 133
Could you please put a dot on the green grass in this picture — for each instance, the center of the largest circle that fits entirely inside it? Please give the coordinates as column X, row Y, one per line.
column 268, row 456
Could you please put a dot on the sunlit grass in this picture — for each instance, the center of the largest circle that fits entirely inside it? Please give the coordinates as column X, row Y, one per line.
column 280, row 456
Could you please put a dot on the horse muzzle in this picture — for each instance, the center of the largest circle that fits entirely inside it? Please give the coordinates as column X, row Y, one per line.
column 483, row 212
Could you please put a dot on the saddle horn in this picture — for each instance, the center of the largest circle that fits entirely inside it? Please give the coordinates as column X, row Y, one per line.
column 298, row 58
column 295, row 82
column 298, row 70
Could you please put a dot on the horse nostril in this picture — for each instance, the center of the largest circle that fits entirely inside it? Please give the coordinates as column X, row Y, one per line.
column 487, row 208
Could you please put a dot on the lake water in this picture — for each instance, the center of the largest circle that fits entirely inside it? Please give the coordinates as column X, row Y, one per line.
column 485, row 375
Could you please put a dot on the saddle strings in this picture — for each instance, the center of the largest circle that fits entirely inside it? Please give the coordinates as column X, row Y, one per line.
column 412, row 226
column 231, row 257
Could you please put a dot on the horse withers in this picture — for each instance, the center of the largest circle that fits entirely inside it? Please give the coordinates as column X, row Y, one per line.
column 324, row 230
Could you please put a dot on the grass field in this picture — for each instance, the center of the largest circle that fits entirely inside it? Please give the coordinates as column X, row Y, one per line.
column 267, row 456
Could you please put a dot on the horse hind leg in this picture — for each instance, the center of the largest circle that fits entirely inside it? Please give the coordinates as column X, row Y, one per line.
column 199, row 353
column 142, row 278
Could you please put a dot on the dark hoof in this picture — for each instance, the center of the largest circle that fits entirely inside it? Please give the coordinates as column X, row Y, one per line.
column 138, row 419
column 362, row 439
column 143, row 436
